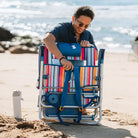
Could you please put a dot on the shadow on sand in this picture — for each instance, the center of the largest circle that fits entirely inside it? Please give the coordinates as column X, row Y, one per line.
column 94, row 131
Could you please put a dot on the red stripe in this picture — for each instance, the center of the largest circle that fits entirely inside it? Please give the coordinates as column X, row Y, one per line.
column 88, row 81
column 60, row 77
column 51, row 77
column 75, row 58
column 47, row 80
column 45, row 56
column 89, row 71
column 82, row 52
column 69, row 86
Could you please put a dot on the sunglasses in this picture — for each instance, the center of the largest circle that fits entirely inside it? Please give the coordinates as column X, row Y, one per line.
column 81, row 24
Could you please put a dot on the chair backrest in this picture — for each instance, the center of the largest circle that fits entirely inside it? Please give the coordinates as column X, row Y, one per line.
column 87, row 54
column 54, row 74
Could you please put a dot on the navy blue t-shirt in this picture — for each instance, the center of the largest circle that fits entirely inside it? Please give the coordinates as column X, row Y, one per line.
column 65, row 32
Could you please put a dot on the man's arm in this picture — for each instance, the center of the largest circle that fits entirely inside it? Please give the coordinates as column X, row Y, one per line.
column 49, row 41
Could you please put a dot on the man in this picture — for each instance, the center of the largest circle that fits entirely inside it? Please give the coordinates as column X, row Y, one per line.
column 74, row 32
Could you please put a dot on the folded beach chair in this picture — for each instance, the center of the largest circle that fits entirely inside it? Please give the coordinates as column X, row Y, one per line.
column 63, row 95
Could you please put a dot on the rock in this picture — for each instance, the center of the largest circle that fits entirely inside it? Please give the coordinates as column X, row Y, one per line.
column 16, row 44
column 5, row 44
column 26, row 40
column 20, row 49
column 5, row 35
column 2, row 49
column 26, row 37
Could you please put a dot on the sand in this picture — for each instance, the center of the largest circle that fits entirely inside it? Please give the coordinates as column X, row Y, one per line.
column 120, row 100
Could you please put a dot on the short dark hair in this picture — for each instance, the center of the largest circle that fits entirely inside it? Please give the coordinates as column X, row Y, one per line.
column 84, row 10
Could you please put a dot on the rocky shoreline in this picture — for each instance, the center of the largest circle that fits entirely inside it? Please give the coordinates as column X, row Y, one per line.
column 16, row 44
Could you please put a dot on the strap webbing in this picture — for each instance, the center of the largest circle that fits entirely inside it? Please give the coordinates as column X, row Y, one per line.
column 78, row 91
column 64, row 95
column 65, row 88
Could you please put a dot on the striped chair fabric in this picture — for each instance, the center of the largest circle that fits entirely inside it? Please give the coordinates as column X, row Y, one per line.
column 87, row 54
column 55, row 80
column 56, row 73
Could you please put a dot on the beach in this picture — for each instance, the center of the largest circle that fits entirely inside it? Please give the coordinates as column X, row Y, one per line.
column 114, row 27
column 18, row 72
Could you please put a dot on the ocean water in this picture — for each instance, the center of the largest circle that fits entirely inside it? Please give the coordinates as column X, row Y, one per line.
column 115, row 24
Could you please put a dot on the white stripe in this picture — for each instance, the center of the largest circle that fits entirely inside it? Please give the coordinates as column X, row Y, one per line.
column 92, row 56
column 85, row 76
column 89, row 56
column 55, row 78
column 49, row 77
column 71, row 82
column 57, row 82
column 91, row 75
column 52, row 77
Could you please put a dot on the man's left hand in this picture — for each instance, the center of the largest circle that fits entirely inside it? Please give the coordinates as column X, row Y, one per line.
column 84, row 43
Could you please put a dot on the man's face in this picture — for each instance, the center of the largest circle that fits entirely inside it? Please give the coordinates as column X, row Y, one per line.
column 80, row 24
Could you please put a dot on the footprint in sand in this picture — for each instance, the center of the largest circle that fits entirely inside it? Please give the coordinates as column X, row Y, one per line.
column 2, row 82
column 26, row 85
column 121, row 118
column 7, row 70
column 118, row 98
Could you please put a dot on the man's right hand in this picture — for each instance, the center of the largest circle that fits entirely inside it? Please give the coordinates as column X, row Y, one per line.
column 67, row 65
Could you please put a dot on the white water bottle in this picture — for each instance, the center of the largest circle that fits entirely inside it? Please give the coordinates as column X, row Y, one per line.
column 17, row 104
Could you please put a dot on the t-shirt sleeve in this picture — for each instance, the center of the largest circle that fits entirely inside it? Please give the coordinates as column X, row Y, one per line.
column 57, row 31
